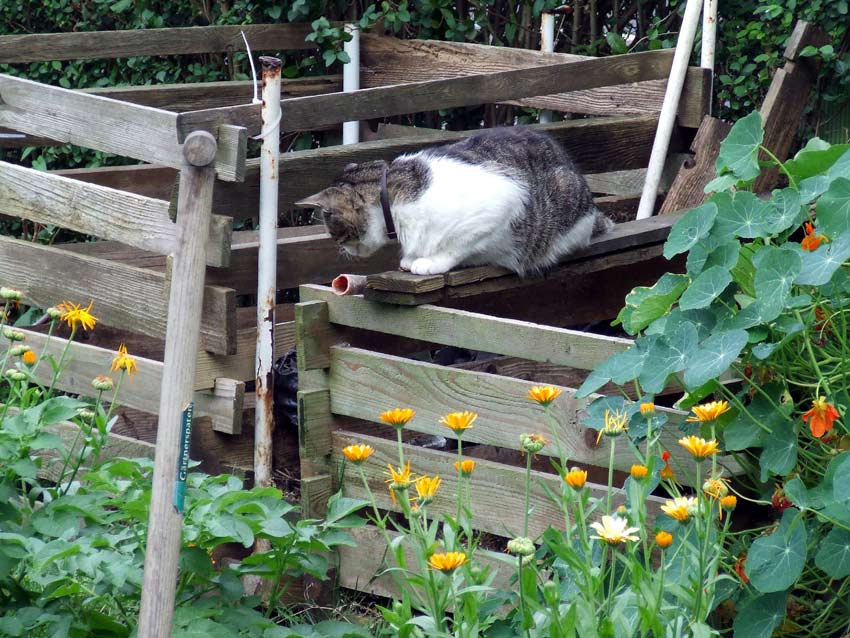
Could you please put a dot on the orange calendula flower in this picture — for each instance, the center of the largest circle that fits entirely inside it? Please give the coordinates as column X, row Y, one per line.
column 74, row 315
column 647, row 409
column 29, row 358
column 576, row 478
column 544, row 395
column 639, row 471
column 664, row 539
column 398, row 418
column 358, row 453
column 448, row 561
column 812, row 239
column 399, row 480
column 709, row 411
column 679, row 508
column 426, row 488
column 465, row 467
column 821, row 417
column 729, row 502
column 124, row 361
column 459, row 421
column 698, row 447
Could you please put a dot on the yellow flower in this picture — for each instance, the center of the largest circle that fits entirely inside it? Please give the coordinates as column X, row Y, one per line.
column 30, row 358
column 709, row 411
column 447, row 562
column 647, row 409
column 614, row 529
column 615, row 424
column 544, row 395
column 716, row 487
column 679, row 508
column 664, row 539
column 124, row 361
column 639, row 471
column 459, row 421
column 74, row 315
column 465, row 467
column 358, row 453
column 576, row 478
column 729, row 502
column 399, row 480
column 698, row 447
column 426, row 488
column 397, row 418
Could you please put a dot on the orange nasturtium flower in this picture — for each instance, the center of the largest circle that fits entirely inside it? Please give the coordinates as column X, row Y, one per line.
column 74, row 315
column 447, row 562
column 124, row 361
column 358, row 453
column 459, row 421
column 397, row 418
column 666, row 471
column 821, row 417
column 544, row 395
column 812, row 239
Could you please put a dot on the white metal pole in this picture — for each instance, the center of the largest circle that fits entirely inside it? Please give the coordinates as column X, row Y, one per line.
column 667, row 117
column 547, row 45
column 267, row 275
column 351, row 80
column 709, row 34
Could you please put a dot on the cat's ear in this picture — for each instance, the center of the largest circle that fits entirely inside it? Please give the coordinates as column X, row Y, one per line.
column 319, row 200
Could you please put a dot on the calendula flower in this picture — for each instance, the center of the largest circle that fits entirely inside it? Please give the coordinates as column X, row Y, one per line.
column 103, row 383
column 666, row 471
column 728, row 503
column 76, row 316
column 399, row 479
column 679, row 508
column 459, row 421
column 426, row 488
column 716, row 487
column 124, row 361
column 532, row 443
column 29, row 358
column 663, row 539
column 709, row 411
column 448, row 561
column 647, row 409
column 544, row 395
column 397, row 418
column 521, row 546
column 358, row 453
column 10, row 294
column 576, row 478
column 639, row 472
column 812, row 239
column 614, row 530
column 698, row 447
column 615, row 424
column 465, row 467
column 821, row 417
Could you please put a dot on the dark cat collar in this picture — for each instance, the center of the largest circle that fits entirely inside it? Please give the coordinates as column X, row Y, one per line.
column 385, row 205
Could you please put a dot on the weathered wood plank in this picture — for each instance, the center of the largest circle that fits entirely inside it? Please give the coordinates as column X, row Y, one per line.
column 307, row 112
column 40, row 47
column 490, row 483
column 123, row 296
column 131, row 219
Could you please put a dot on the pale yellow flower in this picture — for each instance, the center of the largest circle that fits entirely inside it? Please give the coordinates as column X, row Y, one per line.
column 679, row 508
column 614, row 529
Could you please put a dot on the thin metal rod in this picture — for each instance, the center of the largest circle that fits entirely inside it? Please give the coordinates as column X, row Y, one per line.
column 351, row 80
column 267, row 275
column 547, row 45
column 669, row 107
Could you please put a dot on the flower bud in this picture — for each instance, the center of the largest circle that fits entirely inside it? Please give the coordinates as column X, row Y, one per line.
column 551, row 593
column 13, row 335
column 15, row 375
column 103, row 383
column 521, row 546
column 10, row 294
column 532, row 443
column 18, row 351
column 715, row 488
column 53, row 312
column 664, row 539
column 639, row 472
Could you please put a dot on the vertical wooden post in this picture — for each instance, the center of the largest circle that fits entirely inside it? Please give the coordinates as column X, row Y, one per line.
column 182, row 338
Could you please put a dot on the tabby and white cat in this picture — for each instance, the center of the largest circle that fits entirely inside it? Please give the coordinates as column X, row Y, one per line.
column 508, row 197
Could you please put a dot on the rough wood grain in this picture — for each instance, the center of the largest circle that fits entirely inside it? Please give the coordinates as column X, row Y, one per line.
column 307, row 112
column 40, row 47
column 123, row 296
column 132, row 219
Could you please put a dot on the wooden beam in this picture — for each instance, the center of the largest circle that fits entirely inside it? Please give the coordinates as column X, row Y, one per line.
column 309, row 112
column 41, row 47
column 131, row 298
column 104, row 212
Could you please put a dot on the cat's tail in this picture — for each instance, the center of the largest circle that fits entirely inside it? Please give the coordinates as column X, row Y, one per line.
column 601, row 225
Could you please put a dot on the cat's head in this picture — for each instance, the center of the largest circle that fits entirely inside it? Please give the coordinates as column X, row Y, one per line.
column 351, row 209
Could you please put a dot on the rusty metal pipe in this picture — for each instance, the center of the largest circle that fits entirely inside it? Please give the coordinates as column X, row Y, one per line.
column 349, row 284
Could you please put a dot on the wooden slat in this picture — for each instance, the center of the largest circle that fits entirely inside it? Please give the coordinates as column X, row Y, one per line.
column 40, row 47
column 104, row 212
column 131, row 298
column 307, row 112
column 363, row 384
column 490, row 483
column 91, row 121
column 387, row 61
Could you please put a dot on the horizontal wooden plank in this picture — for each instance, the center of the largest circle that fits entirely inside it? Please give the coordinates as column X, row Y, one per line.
column 132, row 219
column 490, row 483
column 363, row 384
column 40, row 47
column 135, row 299
column 307, row 112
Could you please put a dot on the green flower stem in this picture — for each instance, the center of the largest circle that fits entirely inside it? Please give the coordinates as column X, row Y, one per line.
column 61, row 360
column 781, row 166
column 526, row 628
column 400, row 447
column 527, row 491
column 47, row 338
column 459, row 479
column 812, row 357
column 610, row 476
column 612, row 571
column 702, row 539
column 378, row 520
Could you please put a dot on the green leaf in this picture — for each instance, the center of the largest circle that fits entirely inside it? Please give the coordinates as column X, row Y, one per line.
column 739, row 151
column 818, row 266
column 617, row 43
column 667, row 355
column 692, row 227
column 775, row 562
column 833, row 557
column 274, row 11
column 705, row 288
column 797, row 492
column 758, row 617
column 780, row 450
column 777, row 268
column 815, row 158
column 834, row 208
column 741, row 214
column 340, row 506
column 645, row 305
column 787, row 210
column 839, row 469
column 714, row 356
column 745, row 430
column 60, row 409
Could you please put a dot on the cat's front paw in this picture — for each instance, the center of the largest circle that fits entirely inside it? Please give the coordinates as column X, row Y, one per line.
column 405, row 264
column 430, row 266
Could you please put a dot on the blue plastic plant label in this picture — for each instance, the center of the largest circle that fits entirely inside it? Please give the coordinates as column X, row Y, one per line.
column 183, row 460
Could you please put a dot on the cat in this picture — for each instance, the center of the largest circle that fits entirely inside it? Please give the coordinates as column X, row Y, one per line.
column 509, row 197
